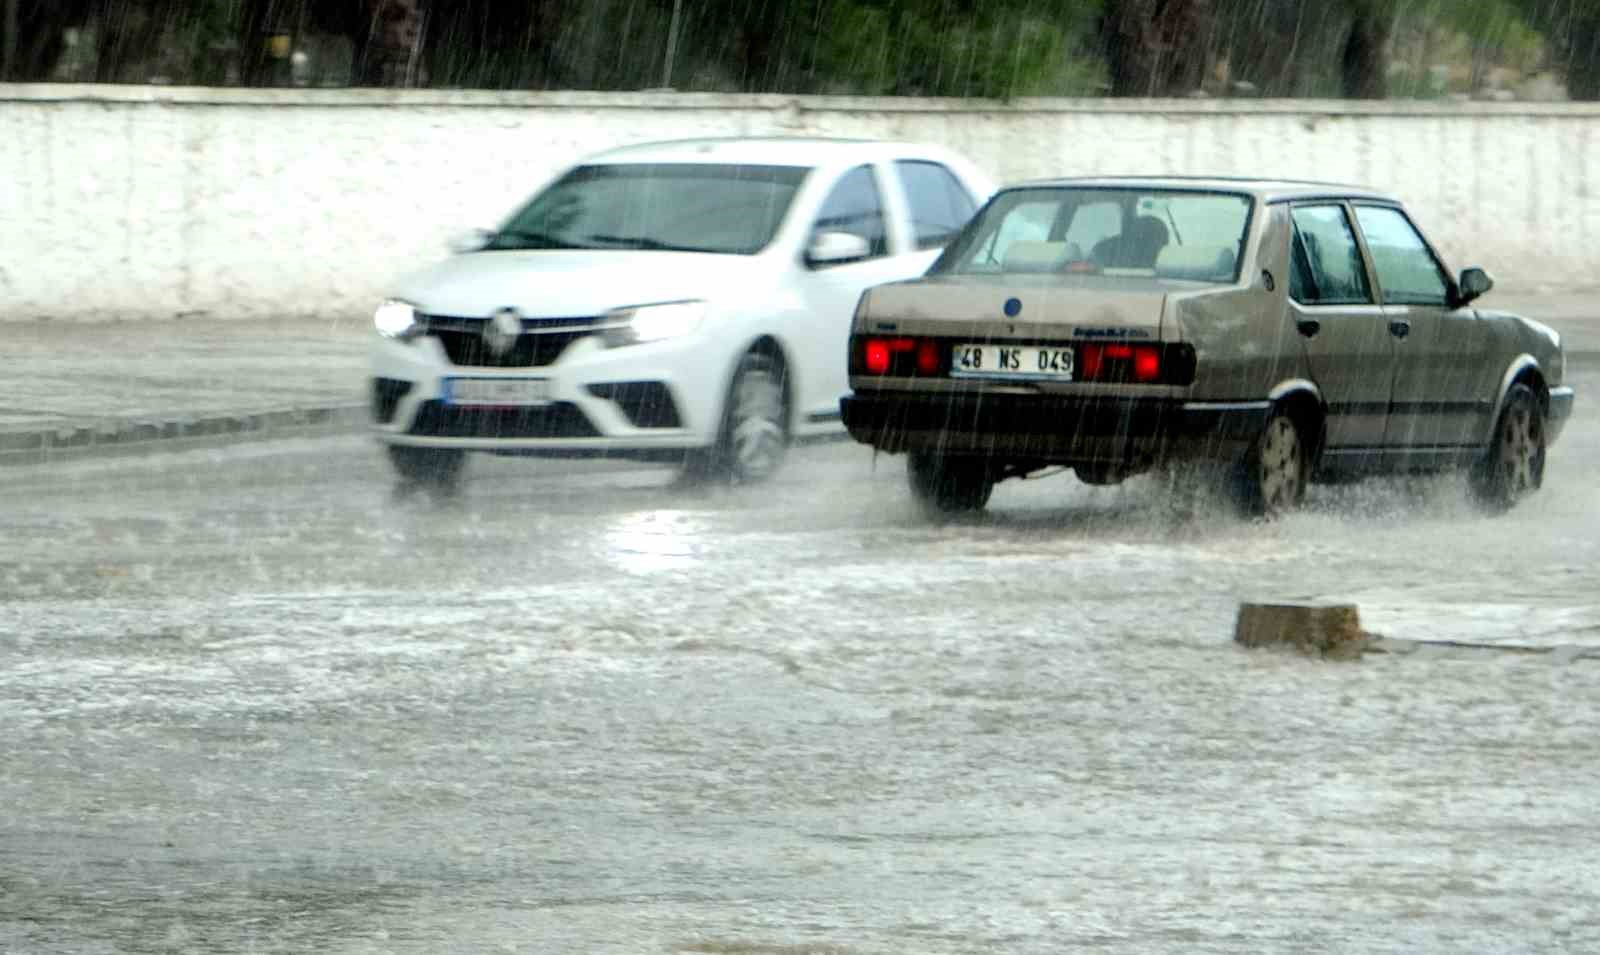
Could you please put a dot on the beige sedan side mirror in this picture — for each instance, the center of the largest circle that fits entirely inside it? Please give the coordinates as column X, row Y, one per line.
column 1474, row 283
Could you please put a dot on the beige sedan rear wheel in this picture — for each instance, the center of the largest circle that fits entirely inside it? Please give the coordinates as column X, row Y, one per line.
column 947, row 486
column 1275, row 469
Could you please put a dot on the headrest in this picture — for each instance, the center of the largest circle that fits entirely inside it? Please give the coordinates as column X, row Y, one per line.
column 1204, row 263
column 1034, row 256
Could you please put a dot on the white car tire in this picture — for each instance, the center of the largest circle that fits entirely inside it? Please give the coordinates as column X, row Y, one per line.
column 436, row 469
column 754, row 437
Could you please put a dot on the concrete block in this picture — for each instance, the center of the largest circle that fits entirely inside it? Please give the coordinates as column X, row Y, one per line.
column 1330, row 632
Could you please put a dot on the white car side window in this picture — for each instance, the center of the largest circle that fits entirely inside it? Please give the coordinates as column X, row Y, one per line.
column 854, row 206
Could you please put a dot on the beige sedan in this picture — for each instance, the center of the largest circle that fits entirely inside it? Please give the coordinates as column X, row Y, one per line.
column 1283, row 332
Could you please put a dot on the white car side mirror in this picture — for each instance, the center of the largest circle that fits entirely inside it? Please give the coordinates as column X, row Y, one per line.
column 835, row 248
column 475, row 241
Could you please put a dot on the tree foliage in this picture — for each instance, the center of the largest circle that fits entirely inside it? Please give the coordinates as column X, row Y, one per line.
column 981, row 48
column 1573, row 29
column 1157, row 47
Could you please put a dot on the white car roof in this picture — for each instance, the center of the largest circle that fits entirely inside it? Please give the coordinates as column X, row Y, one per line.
column 799, row 151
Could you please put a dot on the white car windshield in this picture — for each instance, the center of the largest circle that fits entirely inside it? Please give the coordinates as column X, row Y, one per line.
column 1165, row 234
column 681, row 207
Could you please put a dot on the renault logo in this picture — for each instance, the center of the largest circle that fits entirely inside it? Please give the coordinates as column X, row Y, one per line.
column 501, row 330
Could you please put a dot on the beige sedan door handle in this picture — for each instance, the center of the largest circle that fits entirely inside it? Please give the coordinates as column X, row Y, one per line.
column 1399, row 328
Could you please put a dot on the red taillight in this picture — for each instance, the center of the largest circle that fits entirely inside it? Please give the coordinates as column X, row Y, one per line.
column 876, row 352
column 1119, row 362
column 1146, row 363
column 1091, row 358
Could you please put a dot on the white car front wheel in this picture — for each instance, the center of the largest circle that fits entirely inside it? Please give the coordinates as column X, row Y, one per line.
column 754, row 437
column 435, row 469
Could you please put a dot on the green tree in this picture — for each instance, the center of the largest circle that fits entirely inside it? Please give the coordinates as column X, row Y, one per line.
column 980, row 48
column 1573, row 30
column 1364, row 62
column 1495, row 31
column 931, row 48
column 1158, row 47
column 41, row 26
column 384, row 35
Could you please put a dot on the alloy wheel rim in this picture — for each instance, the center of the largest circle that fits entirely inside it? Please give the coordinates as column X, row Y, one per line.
column 757, row 432
column 1280, row 466
column 1520, row 452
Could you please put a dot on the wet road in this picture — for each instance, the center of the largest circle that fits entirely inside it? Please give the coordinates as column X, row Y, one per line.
column 251, row 705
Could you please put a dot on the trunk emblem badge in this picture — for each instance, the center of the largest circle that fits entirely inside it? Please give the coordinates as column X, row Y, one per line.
column 1013, row 307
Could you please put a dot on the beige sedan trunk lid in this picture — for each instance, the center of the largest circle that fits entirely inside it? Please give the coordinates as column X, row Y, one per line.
column 1012, row 307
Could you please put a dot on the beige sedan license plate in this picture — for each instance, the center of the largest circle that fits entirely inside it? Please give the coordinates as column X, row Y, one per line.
column 1012, row 361
column 499, row 392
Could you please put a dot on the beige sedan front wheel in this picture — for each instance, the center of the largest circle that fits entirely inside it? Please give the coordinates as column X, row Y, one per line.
column 1513, row 467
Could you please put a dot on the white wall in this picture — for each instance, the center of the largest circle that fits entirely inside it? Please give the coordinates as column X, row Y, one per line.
column 151, row 202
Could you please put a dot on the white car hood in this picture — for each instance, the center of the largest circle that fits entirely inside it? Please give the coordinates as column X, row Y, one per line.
column 569, row 283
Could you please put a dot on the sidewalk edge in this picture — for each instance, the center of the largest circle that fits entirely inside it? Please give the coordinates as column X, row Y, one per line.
column 135, row 436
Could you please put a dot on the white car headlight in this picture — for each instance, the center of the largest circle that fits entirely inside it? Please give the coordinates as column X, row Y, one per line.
column 648, row 323
column 396, row 319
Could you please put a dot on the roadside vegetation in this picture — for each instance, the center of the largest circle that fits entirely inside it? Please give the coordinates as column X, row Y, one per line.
column 1367, row 49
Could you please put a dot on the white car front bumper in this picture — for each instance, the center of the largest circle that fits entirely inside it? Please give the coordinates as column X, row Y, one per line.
column 661, row 396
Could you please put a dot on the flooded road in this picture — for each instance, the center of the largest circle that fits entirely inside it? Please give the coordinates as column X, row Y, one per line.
column 250, row 704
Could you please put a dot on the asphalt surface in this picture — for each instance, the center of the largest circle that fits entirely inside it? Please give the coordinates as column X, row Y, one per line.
column 252, row 703
column 87, row 389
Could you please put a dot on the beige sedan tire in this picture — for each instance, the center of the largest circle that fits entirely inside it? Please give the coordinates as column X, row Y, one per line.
column 1273, row 475
column 946, row 486
column 1513, row 467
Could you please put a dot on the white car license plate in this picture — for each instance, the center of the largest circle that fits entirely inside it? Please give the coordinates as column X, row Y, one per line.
column 502, row 392
column 1012, row 361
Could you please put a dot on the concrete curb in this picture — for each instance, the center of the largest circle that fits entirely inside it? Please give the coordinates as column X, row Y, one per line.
column 115, row 437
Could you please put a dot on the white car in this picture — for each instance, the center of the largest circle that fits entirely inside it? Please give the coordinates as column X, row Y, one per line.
column 687, row 302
